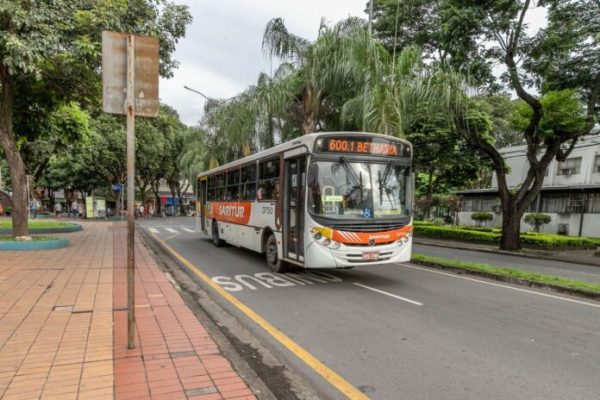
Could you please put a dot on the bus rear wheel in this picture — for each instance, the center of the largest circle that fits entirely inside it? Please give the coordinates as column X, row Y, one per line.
column 275, row 263
column 215, row 235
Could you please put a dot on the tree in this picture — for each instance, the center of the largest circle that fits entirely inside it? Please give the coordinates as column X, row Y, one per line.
column 446, row 34
column 537, row 221
column 319, row 67
column 550, row 130
column 50, row 55
column 482, row 217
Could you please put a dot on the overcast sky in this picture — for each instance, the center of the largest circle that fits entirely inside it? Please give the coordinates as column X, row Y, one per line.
column 222, row 55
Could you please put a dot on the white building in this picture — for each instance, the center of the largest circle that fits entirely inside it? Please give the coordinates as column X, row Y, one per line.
column 570, row 194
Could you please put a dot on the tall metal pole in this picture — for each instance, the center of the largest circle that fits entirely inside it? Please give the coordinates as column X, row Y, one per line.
column 367, row 79
column 130, row 105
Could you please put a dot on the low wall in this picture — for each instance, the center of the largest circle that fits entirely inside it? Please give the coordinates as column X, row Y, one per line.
column 590, row 227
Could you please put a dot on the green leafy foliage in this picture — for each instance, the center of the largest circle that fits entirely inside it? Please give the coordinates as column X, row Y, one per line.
column 562, row 116
column 539, row 240
column 537, row 220
column 482, row 216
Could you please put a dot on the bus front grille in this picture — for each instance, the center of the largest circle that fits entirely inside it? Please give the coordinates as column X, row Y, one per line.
column 367, row 226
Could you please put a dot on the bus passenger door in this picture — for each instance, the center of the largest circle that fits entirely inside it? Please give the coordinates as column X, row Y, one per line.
column 201, row 199
column 293, row 208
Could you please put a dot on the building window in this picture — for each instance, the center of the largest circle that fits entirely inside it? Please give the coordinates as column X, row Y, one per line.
column 488, row 204
column 593, row 203
column 571, row 166
column 249, row 183
column 268, row 183
column 597, row 163
column 557, row 204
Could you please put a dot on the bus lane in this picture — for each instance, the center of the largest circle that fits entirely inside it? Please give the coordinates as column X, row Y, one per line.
column 467, row 339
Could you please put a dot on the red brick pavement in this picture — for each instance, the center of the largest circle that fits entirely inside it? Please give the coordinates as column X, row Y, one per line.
column 175, row 357
column 63, row 328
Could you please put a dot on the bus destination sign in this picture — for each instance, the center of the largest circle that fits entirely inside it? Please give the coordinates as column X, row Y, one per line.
column 361, row 145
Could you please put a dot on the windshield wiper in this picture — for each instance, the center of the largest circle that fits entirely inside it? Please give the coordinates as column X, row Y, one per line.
column 383, row 183
column 356, row 178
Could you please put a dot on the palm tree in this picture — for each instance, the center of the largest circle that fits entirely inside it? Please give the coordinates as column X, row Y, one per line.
column 319, row 67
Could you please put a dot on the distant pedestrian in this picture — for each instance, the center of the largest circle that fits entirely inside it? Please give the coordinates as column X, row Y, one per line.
column 34, row 208
column 74, row 209
column 141, row 211
column 58, row 209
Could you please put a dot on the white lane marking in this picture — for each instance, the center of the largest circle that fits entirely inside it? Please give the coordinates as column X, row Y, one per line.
column 389, row 294
column 153, row 230
column 170, row 230
column 585, row 303
column 189, row 230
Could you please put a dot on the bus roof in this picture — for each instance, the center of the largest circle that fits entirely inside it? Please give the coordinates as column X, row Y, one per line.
column 306, row 140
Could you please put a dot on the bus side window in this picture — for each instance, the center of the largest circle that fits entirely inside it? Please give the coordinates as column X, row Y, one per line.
column 220, row 187
column 268, row 184
column 233, row 185
column 249, row 183
column 210, row 189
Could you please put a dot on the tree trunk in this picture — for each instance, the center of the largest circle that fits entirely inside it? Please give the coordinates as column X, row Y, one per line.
column 173, row 194
column 182, row 209
column 511, row 226
column 158, row 205
column 18, row 177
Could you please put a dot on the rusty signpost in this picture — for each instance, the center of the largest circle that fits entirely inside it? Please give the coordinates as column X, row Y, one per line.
column 130, row 87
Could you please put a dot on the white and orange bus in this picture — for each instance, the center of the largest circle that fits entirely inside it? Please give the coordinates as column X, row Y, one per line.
column 324, row 200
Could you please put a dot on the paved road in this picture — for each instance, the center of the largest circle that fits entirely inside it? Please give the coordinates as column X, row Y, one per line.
column 588, row 273
column 406, row 332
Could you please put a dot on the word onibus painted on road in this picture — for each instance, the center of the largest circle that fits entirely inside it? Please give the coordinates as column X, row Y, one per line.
column 324, row 200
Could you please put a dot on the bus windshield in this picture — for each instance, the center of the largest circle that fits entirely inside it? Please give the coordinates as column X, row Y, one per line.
column 359, row 190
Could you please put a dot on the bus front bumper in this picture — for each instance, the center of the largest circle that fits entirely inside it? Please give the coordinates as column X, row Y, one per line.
column 318, row 256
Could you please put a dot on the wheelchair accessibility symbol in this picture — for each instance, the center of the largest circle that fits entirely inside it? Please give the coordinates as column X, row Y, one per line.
column 367, row 213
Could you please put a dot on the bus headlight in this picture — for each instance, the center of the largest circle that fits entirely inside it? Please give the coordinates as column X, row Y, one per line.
column 334, row 245
column 317, row 236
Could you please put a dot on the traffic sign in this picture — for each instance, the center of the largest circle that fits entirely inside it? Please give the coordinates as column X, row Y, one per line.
column 114, row 74
column 117, row 187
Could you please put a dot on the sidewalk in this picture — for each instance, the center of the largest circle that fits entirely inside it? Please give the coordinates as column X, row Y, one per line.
column 63, row 328
column 586, row 257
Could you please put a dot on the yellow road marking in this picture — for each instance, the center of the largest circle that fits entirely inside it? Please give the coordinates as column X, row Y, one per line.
column 337, row 381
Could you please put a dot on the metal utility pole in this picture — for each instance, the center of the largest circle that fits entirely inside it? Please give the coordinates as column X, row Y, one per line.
column 130, row 87
column 130, row 110
column 367, row 78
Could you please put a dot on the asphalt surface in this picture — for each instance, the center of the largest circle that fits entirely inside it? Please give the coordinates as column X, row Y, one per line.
column 407, row 332
column 588, row 273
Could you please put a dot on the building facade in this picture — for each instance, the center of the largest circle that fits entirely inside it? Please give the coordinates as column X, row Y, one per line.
column 570, row 194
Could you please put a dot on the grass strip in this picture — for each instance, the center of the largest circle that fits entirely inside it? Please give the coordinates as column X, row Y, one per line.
column 36, row 224
column 511, row 273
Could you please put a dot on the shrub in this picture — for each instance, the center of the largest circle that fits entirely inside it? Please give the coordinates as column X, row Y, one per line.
column 537, row 220
column 540, row 240
column 448, row 232
column 481, row 217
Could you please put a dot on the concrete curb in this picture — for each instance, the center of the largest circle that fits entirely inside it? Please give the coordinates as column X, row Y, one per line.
column 55, row 243
column 515, row 281
column 43, row 231
column 508, row 253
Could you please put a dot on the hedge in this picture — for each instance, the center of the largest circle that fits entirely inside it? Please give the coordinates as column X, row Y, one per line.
column 532, row 239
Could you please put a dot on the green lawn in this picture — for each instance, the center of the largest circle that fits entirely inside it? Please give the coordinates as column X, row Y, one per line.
column 509, row 273
column 6, row 223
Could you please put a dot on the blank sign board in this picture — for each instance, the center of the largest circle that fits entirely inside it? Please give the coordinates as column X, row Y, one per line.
column 114, row 74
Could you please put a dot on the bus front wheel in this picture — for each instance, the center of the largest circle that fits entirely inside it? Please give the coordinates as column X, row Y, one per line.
column 215, row 235
column 273, row 261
